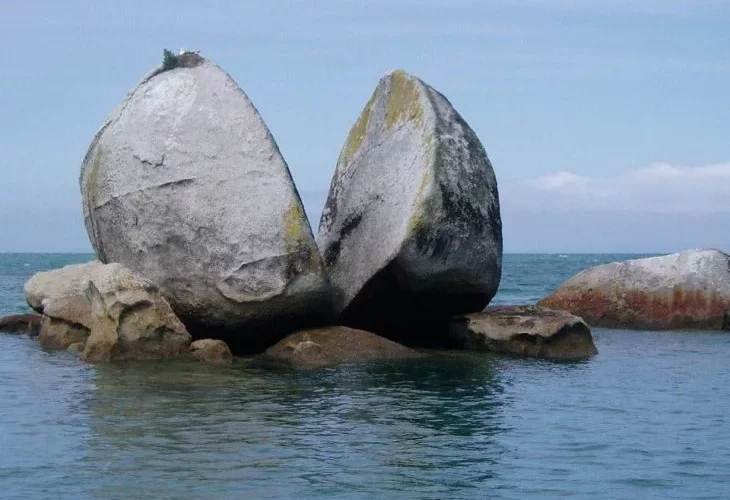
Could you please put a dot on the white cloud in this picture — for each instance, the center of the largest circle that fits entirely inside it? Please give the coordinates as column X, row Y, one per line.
column 658, row 188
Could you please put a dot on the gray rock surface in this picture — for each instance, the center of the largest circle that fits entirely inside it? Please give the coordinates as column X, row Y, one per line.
column 411, row 227
column 185, row 185
column 525, row 331
column 130, row 319
column 336, row 345
column 690, row 289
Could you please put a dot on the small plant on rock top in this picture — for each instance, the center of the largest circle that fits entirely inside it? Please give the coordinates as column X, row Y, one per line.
column 169, row 60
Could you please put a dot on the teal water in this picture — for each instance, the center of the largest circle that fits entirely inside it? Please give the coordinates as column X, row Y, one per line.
column 646, row 418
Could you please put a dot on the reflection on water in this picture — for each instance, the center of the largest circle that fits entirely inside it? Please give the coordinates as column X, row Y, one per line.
column 641, row 420
column 357, row 429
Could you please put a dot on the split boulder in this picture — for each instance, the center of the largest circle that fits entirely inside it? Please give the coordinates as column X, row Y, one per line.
column 185, row 185
column 411, row 232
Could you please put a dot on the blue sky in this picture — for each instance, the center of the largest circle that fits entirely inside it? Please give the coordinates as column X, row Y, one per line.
column 607, row 121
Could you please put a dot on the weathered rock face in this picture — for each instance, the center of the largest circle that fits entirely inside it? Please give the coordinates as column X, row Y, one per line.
column 685, row 290
column 61, row 296
column 525, row 331
column 336, row 345
column 411, row 228
column 69, row 281
column 185, row 185
column 28, row 324
column 130, row 319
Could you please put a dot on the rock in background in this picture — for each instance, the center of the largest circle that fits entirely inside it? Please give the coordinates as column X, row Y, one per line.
column 684, row 290
column 525, row 331
column 185, row 185
column 411, row 232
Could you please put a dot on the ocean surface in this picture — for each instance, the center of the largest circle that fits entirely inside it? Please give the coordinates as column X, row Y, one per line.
column 649, row 417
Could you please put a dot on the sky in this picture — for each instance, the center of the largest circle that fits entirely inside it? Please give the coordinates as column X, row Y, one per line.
column 607, row 121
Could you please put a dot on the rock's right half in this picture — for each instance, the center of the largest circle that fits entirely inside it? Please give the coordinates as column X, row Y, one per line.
column 411, row 232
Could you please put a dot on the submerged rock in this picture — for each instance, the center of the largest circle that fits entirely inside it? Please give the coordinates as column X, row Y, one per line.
column 525, row 331
column 336, row 345
column 185, row 185
column 211, row 351
column 684, row 290
column 130, row 319
column 29, row 324
column 411, row 232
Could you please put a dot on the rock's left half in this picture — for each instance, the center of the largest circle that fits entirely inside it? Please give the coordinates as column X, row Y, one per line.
column 185, row 184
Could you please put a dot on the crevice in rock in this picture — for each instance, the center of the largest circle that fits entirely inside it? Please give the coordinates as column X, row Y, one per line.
column 384, row 307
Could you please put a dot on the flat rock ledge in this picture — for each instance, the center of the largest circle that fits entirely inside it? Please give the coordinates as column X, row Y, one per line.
column 334, row 345
column 29, row 324
column 529, row 331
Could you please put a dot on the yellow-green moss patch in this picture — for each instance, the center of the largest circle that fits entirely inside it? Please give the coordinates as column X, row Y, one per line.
column 357, row 133
column 404, row 100
column 294, row 227
column 297, row 237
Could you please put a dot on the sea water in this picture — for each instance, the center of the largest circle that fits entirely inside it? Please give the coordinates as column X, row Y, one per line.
column 646, row 418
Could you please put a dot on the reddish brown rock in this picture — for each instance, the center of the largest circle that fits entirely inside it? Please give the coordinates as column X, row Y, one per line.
column 689, row 290
column 525, row 331
column 336, row 345
column 29, row 324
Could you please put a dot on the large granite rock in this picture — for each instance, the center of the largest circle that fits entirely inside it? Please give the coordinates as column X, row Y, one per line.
column 685, row 290
column 336, row 345
column 411, row 231
column 60, row 295
column 525, row 331
column 185, row 185
column 28, row 324
column 130, row 319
